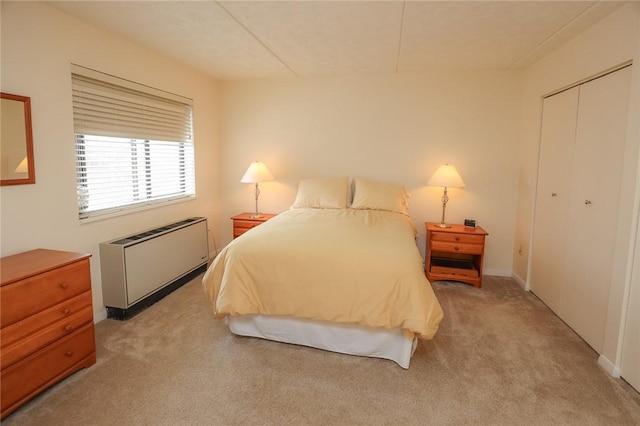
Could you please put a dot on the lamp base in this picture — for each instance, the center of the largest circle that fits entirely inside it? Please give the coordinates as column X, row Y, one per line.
column 443, row 225
column 256, row 216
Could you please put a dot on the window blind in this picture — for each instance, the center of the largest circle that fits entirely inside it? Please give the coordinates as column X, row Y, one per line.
column 133, row 147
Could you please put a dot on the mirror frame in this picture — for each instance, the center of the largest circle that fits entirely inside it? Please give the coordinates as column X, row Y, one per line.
column 31, row 178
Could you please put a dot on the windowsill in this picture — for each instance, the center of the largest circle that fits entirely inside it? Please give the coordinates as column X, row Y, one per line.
column 133, row 210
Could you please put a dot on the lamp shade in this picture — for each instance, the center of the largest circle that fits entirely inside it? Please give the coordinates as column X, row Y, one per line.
column 256, row 173
column 23, row 167
column 446, row 176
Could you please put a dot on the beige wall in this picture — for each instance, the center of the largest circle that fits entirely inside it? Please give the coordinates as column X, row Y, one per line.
column 613, row 41
column 38, row 45
column 392, row 128
column 396, row 128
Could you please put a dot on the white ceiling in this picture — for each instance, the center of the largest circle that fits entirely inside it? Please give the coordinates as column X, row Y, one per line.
column 261, row 39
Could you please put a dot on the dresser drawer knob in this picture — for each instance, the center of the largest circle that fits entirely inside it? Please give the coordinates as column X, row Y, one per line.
column 457, row 238
column 69, row 354
column 66, row 311
column 68, row 328
column 456, row 248
column 64, row 286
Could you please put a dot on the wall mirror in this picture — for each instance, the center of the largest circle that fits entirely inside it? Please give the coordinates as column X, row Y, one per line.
column 16, row 141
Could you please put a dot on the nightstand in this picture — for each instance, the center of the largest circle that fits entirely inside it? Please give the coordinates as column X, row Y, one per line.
column 243, row 222
column 455, row 253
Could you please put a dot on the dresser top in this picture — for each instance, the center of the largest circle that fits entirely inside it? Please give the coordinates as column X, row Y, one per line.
column 24, row 265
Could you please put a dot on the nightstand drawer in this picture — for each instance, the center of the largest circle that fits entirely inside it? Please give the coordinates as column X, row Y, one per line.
column 457, row 238
column 454, row 272
column 239, row 231
column 457, row 247
column 245, row 224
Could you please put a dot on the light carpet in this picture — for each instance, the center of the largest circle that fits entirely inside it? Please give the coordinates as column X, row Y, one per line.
column 500, row 358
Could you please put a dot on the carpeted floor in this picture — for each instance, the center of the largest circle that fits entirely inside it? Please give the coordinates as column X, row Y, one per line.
column 500, row 358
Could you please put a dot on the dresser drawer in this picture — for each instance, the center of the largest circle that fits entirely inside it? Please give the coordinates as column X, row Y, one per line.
column 12, row 353
column 27, row 326
column 449, row 247
column 40, row 370
column 24, row 298
column 457, row 238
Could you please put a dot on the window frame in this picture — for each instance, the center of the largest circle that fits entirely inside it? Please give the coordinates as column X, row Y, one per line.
column 184, row 161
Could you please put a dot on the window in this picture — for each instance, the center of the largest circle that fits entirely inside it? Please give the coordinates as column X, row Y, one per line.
column 134, row 144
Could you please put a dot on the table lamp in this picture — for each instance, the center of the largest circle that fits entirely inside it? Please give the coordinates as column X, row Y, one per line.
column 446, row 176
column 256, row 173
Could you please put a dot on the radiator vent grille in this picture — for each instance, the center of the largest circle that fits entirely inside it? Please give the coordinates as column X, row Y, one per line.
column 152, row 232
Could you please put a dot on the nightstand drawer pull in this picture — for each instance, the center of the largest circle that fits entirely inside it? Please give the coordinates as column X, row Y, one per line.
column 64, row 286
column 69, row 354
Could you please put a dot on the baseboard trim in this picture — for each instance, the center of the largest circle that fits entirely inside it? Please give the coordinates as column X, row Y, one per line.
column 518, row 279
column 497, row 272
column 608, row 366
column 99, row 316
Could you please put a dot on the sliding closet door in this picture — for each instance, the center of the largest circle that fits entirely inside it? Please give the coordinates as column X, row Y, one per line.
column 595, row 199
column 582, row 144
column 630, row 364
column 553, row 195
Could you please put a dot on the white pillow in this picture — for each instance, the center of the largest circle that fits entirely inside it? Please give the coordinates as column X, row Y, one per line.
column 322, row 193
column 370, row 195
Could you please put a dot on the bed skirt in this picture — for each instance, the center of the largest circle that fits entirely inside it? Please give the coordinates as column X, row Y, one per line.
column 349, row 339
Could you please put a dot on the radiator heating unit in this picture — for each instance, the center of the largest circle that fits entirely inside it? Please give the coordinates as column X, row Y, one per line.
column 140, row 269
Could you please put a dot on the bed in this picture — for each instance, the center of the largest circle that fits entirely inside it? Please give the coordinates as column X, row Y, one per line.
column 347, row 279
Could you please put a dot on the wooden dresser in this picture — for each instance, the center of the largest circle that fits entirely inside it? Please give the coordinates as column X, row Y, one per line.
column 455, row 253
column 244, row 221
column 46, row 322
